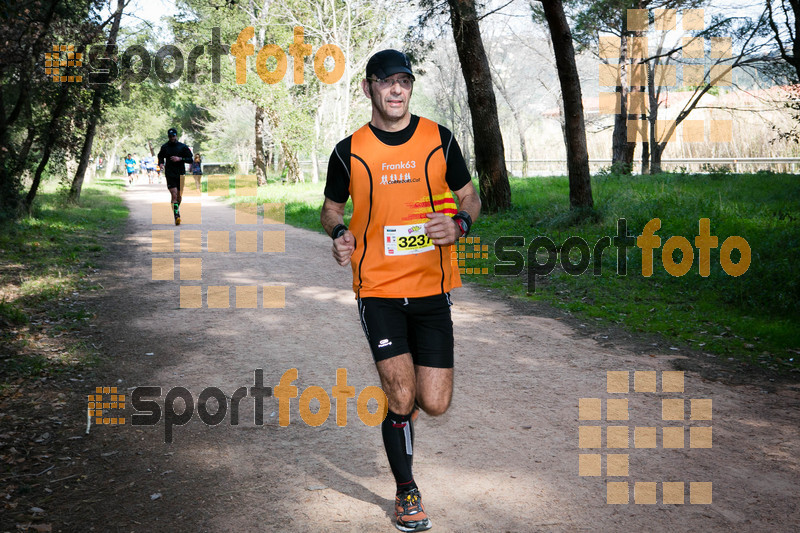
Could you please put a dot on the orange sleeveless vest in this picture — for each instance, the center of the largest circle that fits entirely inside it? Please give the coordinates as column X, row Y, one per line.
column 397, row 186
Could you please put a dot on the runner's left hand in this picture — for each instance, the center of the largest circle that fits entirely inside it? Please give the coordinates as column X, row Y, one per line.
column 442, row 229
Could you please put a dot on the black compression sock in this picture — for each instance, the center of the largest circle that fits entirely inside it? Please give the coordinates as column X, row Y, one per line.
column 398, row 438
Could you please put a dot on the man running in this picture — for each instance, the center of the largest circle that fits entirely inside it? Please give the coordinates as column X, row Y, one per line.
column 172, row 157
column 150, row 167
column 130, row 168
column 401, row 171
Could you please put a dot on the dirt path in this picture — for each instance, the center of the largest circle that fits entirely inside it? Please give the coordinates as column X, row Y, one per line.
column 504, row 458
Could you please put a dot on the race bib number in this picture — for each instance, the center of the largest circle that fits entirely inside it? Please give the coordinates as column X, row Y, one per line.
column 406, row 240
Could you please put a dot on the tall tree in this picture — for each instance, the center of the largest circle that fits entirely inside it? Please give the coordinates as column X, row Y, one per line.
column 95, row 111
column 490, row 161
column 621, row 150
column 24, row 94
column 580, row 183
column 611, row 17
column 32, row 103
column 50, row 138
column 785, row 25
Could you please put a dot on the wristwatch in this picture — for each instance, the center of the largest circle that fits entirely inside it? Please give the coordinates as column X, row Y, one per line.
column 464, row 222
column 338, row 231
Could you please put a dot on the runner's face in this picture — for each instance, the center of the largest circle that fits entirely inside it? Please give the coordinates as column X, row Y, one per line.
column 391, row 103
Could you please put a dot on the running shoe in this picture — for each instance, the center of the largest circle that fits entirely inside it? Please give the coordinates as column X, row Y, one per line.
column 410, row 513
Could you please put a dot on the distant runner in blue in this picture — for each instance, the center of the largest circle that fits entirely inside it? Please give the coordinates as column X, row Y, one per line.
column 130, row 167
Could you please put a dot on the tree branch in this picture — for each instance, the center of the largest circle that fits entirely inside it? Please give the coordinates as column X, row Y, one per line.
column 495, row 10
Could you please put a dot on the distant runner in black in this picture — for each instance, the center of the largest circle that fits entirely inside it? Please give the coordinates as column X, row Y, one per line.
column 172, row 157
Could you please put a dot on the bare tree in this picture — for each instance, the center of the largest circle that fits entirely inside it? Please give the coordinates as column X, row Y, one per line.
column 500, row 82
column 580, row 184
column 723, row 67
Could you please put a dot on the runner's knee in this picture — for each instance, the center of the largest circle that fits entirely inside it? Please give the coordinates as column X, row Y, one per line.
column 436, row 407
column 401, row 399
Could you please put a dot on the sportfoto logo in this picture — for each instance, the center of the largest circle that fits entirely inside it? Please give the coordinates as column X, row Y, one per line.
column 513, row 261
column 148, row 412
column 169, row 63
column 63, row 56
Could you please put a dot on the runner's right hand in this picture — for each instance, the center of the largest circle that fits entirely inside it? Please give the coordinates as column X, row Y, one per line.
column 343, row 248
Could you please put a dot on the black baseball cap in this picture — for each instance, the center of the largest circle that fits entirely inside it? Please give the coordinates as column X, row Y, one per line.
column 387, row 62
column 171, row 132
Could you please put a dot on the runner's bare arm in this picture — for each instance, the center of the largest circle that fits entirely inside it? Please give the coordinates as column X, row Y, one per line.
column 442, row 229
column 333, row 214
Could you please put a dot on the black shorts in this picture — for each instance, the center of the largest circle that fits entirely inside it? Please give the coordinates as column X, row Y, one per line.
column 420, row 326
column 174, row 182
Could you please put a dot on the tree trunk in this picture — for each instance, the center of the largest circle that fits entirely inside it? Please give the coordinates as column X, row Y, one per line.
column 94, row 113
column 314, row 167
column 580, row 183
column 619, row 139
column 11, row 168
column 290, row 165
column 47, row 149
column 71, row 164
column 23, row 100
column 645, row 158
column 22, row 157
column 655, row 157
column 654, row 166
column 794, row 9
column 490, row 161
column 111, row 161
column 517, row 120
column 260, row 163
column 10, row 175
column 314, row 159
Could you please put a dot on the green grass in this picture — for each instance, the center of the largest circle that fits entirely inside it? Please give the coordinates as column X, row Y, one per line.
column 44, row 259
column 752, row 318
column 302, row 201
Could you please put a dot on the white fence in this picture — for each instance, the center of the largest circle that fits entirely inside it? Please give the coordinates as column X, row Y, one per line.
column 557, row 167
